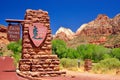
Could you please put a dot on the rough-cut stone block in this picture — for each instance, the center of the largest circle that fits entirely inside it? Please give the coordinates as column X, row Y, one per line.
column 30, row 50
column 25, row 32
column 26, row 41
column 41, row 53
column 49, row 38
column 24, row 51
column 24, row 62
column 29, row 17
column 40, row 69
column 49, row 57
column 48, row 69
column 26, row 29
column 24, row 67
column 43, row 47
column 35, row 61
column 56, row 62
column 48, row 61
column 32, row 53
column 36, row 74
column 47, row 42
column 26, row 56
column 49, row 46
column 25, row 45
column 51, row 65
column 25, row 36
column 35, row 56
column 56, row 68
column 45, row 65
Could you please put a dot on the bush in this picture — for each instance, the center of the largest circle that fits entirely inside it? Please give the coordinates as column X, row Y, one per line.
column 16, row 48
column 68, row 63
column 116, row 53
column 1, row 53
column 93, row 52
column 107, row 64
column 59, row 48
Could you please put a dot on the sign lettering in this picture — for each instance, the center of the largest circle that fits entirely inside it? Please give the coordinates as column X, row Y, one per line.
column 13, row 32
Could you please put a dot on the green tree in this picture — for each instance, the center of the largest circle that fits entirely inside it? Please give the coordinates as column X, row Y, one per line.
column 16, row 47
column 72, row 53
column 59, row 48
column 85, row 51
column 94, row 52
column 116, row 53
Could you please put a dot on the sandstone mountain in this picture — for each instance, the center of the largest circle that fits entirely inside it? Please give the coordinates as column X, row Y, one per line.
column 103, row 30
column 64, row 34
column 100, row 26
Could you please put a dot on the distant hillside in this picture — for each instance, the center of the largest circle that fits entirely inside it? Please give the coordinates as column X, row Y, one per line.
column 64, row 34
column 101, row 31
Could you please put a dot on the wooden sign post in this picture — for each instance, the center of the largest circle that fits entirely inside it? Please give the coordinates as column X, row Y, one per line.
column 13, row 32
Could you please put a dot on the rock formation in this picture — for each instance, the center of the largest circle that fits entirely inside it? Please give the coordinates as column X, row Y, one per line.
column 103, row 30
column 100, row 26
column 64, row 34
column 3, row 35
column 116, row 24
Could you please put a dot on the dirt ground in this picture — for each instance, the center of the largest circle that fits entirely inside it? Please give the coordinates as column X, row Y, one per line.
column 71, row 75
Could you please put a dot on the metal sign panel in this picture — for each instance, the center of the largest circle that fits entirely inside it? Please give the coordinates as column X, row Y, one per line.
column 13, row 32
column 37, row 33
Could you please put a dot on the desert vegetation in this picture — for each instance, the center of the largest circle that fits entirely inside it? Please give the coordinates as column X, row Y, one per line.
column 104, row 59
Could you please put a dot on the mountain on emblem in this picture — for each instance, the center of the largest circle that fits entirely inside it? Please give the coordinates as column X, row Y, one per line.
column 37, row 33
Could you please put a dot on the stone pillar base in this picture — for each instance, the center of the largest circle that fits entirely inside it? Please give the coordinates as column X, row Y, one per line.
column 41, row 65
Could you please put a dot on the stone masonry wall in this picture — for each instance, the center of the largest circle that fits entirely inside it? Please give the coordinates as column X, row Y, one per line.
column 38, row 61
column 29, row 50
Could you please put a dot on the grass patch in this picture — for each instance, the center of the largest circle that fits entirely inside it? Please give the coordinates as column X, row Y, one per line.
column 106, row 66
column 70, row 64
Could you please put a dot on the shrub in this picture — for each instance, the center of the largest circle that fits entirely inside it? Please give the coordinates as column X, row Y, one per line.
column 16, row 48
column 68, row 63
column 94, row 52
column 1, row 53
column 59, row 48
column 116, row 53
column 107, row 64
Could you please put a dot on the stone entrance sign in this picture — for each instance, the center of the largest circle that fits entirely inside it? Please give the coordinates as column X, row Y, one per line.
column 13, row 32
column 37, row 59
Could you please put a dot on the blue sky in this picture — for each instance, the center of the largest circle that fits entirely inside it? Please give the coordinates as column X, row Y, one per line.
column 67, row 13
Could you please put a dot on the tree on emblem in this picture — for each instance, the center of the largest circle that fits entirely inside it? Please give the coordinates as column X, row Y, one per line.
column 35, row 32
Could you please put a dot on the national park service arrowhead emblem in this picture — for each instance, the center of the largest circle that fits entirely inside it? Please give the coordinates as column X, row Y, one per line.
column 37, row 33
